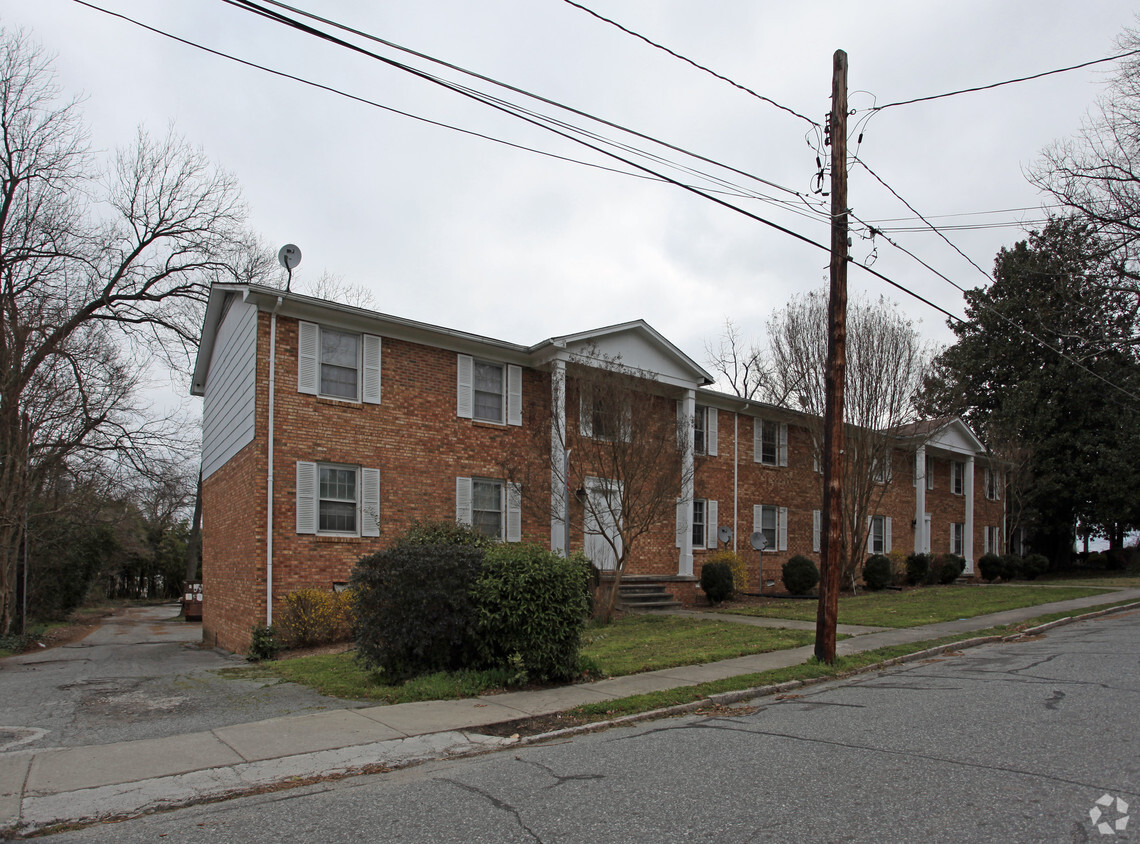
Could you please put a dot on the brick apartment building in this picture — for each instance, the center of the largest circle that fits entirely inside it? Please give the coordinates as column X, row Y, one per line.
column 328, row 430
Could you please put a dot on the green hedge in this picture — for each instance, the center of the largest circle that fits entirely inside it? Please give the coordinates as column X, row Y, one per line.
column 716, row 581
column 531, row 607
column 800, row 575
column 877, row 572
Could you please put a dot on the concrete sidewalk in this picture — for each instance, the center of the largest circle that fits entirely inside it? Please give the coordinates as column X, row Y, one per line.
column 40, row 788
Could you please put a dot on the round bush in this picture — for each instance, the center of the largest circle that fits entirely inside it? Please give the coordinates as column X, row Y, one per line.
column 736, row 564
column 1010, row 567
column 917, row 569
column 990, row 567
column 716, row 581
column 1034, row 565
column 800, row 575
column 951, row 569
column 877, row 572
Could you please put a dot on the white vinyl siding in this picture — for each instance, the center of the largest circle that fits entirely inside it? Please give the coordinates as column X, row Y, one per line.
column 773, row 523
column 229, row 398
column 488, row 392
column 770, row 442
column 338, row 364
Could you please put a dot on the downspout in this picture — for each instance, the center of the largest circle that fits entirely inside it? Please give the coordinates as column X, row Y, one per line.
column 269, row 484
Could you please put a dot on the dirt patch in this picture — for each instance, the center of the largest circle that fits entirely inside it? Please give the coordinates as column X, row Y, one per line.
column 534, row 726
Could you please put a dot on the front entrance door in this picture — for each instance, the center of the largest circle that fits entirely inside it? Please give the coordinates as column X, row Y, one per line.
column 603, row 515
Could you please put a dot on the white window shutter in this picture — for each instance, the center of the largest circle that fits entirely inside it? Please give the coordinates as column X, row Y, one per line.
column 465, row 401
column 952, row 526
column 816, row 530
column 710, row 525
column 887, row 535
column 757, row 517
column 514, row 396
column 710, row 428
column 682, row 521
column 463, row 501
column 306, row 497
column 371, row 380
column 369, row 502
column 514, row 512
column 782, row 529
column 783, row 458
column 757, row 439
column 308, row 357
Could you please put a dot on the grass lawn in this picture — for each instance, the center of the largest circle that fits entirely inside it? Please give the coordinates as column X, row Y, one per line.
column 927, row 605
column 627, row 646
column 1106, row 580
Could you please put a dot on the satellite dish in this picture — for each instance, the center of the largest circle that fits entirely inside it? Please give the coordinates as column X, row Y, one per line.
column 759, row 541
column 725, row 534
column 289, row 256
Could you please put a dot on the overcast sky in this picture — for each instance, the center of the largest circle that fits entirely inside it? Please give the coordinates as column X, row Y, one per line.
column 463, row 232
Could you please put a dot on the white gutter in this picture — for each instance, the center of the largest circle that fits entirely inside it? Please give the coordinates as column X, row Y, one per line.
column 269, row 483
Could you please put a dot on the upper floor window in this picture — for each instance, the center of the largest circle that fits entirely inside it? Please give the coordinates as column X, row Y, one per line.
column 770, row 442
column 338, row 364
column 488, row 391
column 993, row 485
column 604, row 417
column 700, row 431
column 957, row 478
column 882, row 468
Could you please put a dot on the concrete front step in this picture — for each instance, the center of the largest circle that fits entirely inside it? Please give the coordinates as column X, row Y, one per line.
column 646, row 596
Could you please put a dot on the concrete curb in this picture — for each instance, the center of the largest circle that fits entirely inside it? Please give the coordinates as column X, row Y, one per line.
column 40, row 813
column 726, row 698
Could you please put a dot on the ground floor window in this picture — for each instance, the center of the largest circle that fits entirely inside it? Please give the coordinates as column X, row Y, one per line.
column 958, row 539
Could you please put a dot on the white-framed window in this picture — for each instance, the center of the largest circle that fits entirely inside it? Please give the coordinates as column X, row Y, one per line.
column 958, row 539
column 701, row 430
column 993, row 485
column 491, row 506
column 338, row 364
column 879, row 536
column 699, row 526
column 957, row 478
column 337, row 499
column 604, row 417
column 992, row 539
column 769, row 442
column 488, row 391
column 771, row 521
column 929, row 470
column 882, row 468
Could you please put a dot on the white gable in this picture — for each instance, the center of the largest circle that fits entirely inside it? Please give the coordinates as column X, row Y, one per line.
column 955, row 437
column 637, row 346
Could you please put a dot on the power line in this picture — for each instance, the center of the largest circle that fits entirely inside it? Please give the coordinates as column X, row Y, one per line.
column 506, row 86
column 687, row 60
column 993, row 85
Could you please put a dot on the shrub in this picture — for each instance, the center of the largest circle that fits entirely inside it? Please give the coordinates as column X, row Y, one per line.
column 951, row 568
column 917, row 569
column 414, row 610
column 312, row 616
column 445, row 533
column 800, row 575
column 1096, row 560
column 1034, row 565
column 531, row 609
column 1010, row 567
column 1114, row 560
column 263, row 643
column 898, row 567
column 877, row 572
column 990, row 567
column 736, row 564
column 716, row 581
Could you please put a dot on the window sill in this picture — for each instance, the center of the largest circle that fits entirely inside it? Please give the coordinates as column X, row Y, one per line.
column 339, row 537
column 349, row 403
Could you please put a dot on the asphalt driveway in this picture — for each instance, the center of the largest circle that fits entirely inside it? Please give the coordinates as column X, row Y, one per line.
column 143, row 674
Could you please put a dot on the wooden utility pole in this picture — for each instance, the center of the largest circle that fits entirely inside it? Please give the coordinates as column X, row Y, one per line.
column 832, row 542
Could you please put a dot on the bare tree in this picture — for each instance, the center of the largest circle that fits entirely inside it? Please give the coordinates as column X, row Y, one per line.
column 101, row 270
column 741, row 367
column 886, row 362
column 1096, row 175
column 627, row 467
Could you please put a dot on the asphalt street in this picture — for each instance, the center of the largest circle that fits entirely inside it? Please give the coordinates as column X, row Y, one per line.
column 1015, row 741
column 143, row 674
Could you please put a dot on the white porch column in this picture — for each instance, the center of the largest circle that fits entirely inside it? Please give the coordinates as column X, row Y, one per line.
column 968, row 529
column 559, row 499
column 920, row 500
column 685, row 563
